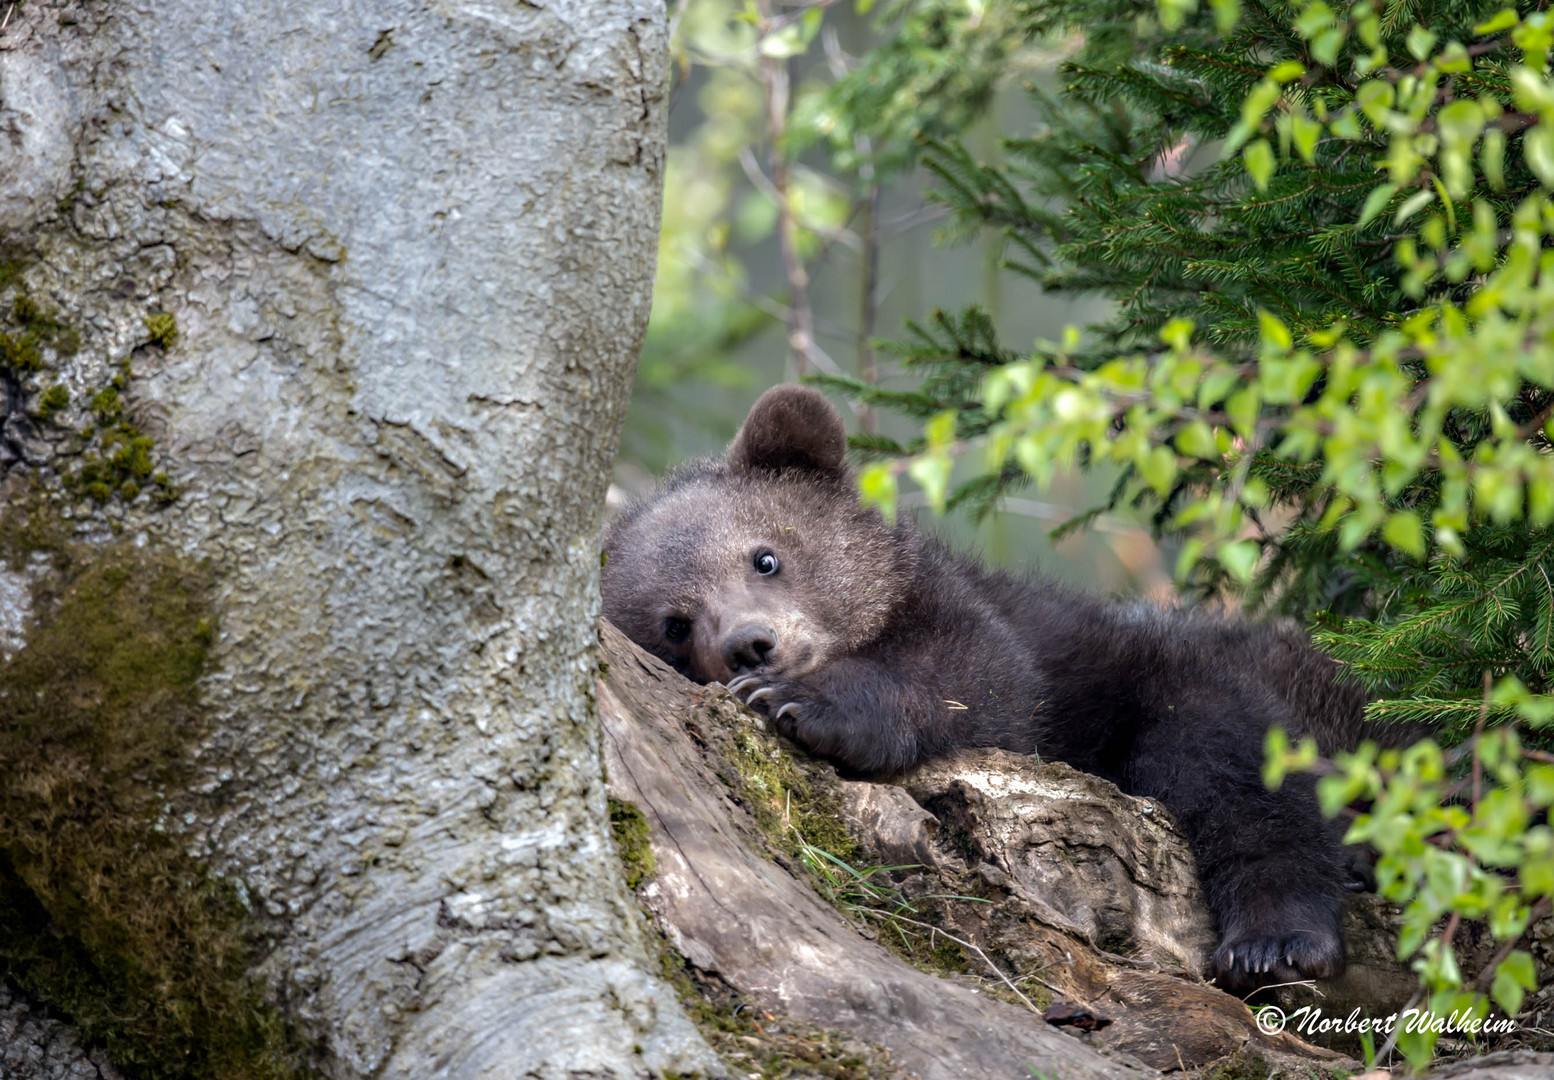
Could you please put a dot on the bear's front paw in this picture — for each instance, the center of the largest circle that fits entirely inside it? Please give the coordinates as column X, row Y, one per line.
column 779, row 698
column 1247, row 961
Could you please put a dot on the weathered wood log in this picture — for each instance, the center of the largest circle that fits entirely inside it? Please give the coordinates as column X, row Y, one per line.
column 1044, row 872
column 1095, row 894
column 734, row 913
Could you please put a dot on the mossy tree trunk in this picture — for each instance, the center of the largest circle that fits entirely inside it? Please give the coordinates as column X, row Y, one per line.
column 319, row 321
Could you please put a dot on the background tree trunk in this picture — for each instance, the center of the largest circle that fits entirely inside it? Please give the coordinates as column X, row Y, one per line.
column 407, row 252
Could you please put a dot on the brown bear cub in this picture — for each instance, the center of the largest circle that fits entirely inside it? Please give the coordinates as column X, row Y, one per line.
column 874, row 646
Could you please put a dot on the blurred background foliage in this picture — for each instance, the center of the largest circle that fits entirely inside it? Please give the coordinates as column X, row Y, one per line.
column 800, row 227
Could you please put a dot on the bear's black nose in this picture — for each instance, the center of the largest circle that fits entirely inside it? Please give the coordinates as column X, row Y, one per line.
column 746, row 647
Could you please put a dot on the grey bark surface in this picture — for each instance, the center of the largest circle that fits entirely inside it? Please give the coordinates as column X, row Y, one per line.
column 409, row 248
column 35, row 1046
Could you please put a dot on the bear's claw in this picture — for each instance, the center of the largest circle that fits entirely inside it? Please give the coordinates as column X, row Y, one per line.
column 760, row 692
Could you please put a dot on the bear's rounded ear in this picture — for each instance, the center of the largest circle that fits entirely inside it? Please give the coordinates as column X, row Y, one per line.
column 790, row 427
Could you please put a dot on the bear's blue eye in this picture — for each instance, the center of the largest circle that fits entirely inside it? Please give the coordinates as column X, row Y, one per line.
column 677, row 630
column 766, row 563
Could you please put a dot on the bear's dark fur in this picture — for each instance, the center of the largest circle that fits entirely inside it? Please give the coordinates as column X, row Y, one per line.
column 876, row 647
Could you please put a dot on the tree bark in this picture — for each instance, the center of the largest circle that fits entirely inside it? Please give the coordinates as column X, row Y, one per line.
column 34, row 1046
column 407, row 249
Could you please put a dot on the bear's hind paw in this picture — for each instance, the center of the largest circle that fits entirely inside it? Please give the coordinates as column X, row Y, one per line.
column 1256, row 960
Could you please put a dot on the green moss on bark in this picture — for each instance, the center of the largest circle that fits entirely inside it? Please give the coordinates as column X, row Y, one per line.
column 13, row 264
column 796, row 803
column 103, row 915
column 792, row 802
column 163, row 328
column 54, row 399
column 27, row 330
column 633, row 842
column 117, row 458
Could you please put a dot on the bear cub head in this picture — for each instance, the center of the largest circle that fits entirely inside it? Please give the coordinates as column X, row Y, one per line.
column 763, row 560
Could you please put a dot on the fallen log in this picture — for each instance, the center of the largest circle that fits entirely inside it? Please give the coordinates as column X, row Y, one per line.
column 1014, row 885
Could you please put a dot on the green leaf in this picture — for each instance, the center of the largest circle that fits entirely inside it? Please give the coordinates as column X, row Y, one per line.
column 1492, row 158
column 1453, row 59
column 1243, row 408
column 1313, row 18
column 1159, row 469
column 1325, row 46
column 1227, row 13
column 1374, row 98
column 1275, row 335
column 810, row 22
column 1538, row 877
column 1197, row 440
column 1376, row 201
column 1413, row 204
column 1240, row 559
column 940, row 431
column 932, row 472
column 1305, row 132
column 1518, row 966
column 997, row 388
column 1259, row 160
column 1506, row 19
column 1507, row 994
column 1216, row 385
column 1538, row 147
column 1404, row 532
column 787, row 42
column 1187, row 558
column 877, row 489
column 1276, row 748
column 1420, row 42
column 1262, row 97
column 1177, row 334
column 1174, row 12
column 1460, row 122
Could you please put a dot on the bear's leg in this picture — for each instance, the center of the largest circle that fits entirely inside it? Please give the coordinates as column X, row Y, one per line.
column 1272, row 868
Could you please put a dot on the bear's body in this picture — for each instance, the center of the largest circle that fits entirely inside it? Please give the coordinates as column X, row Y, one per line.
column 876, row 647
